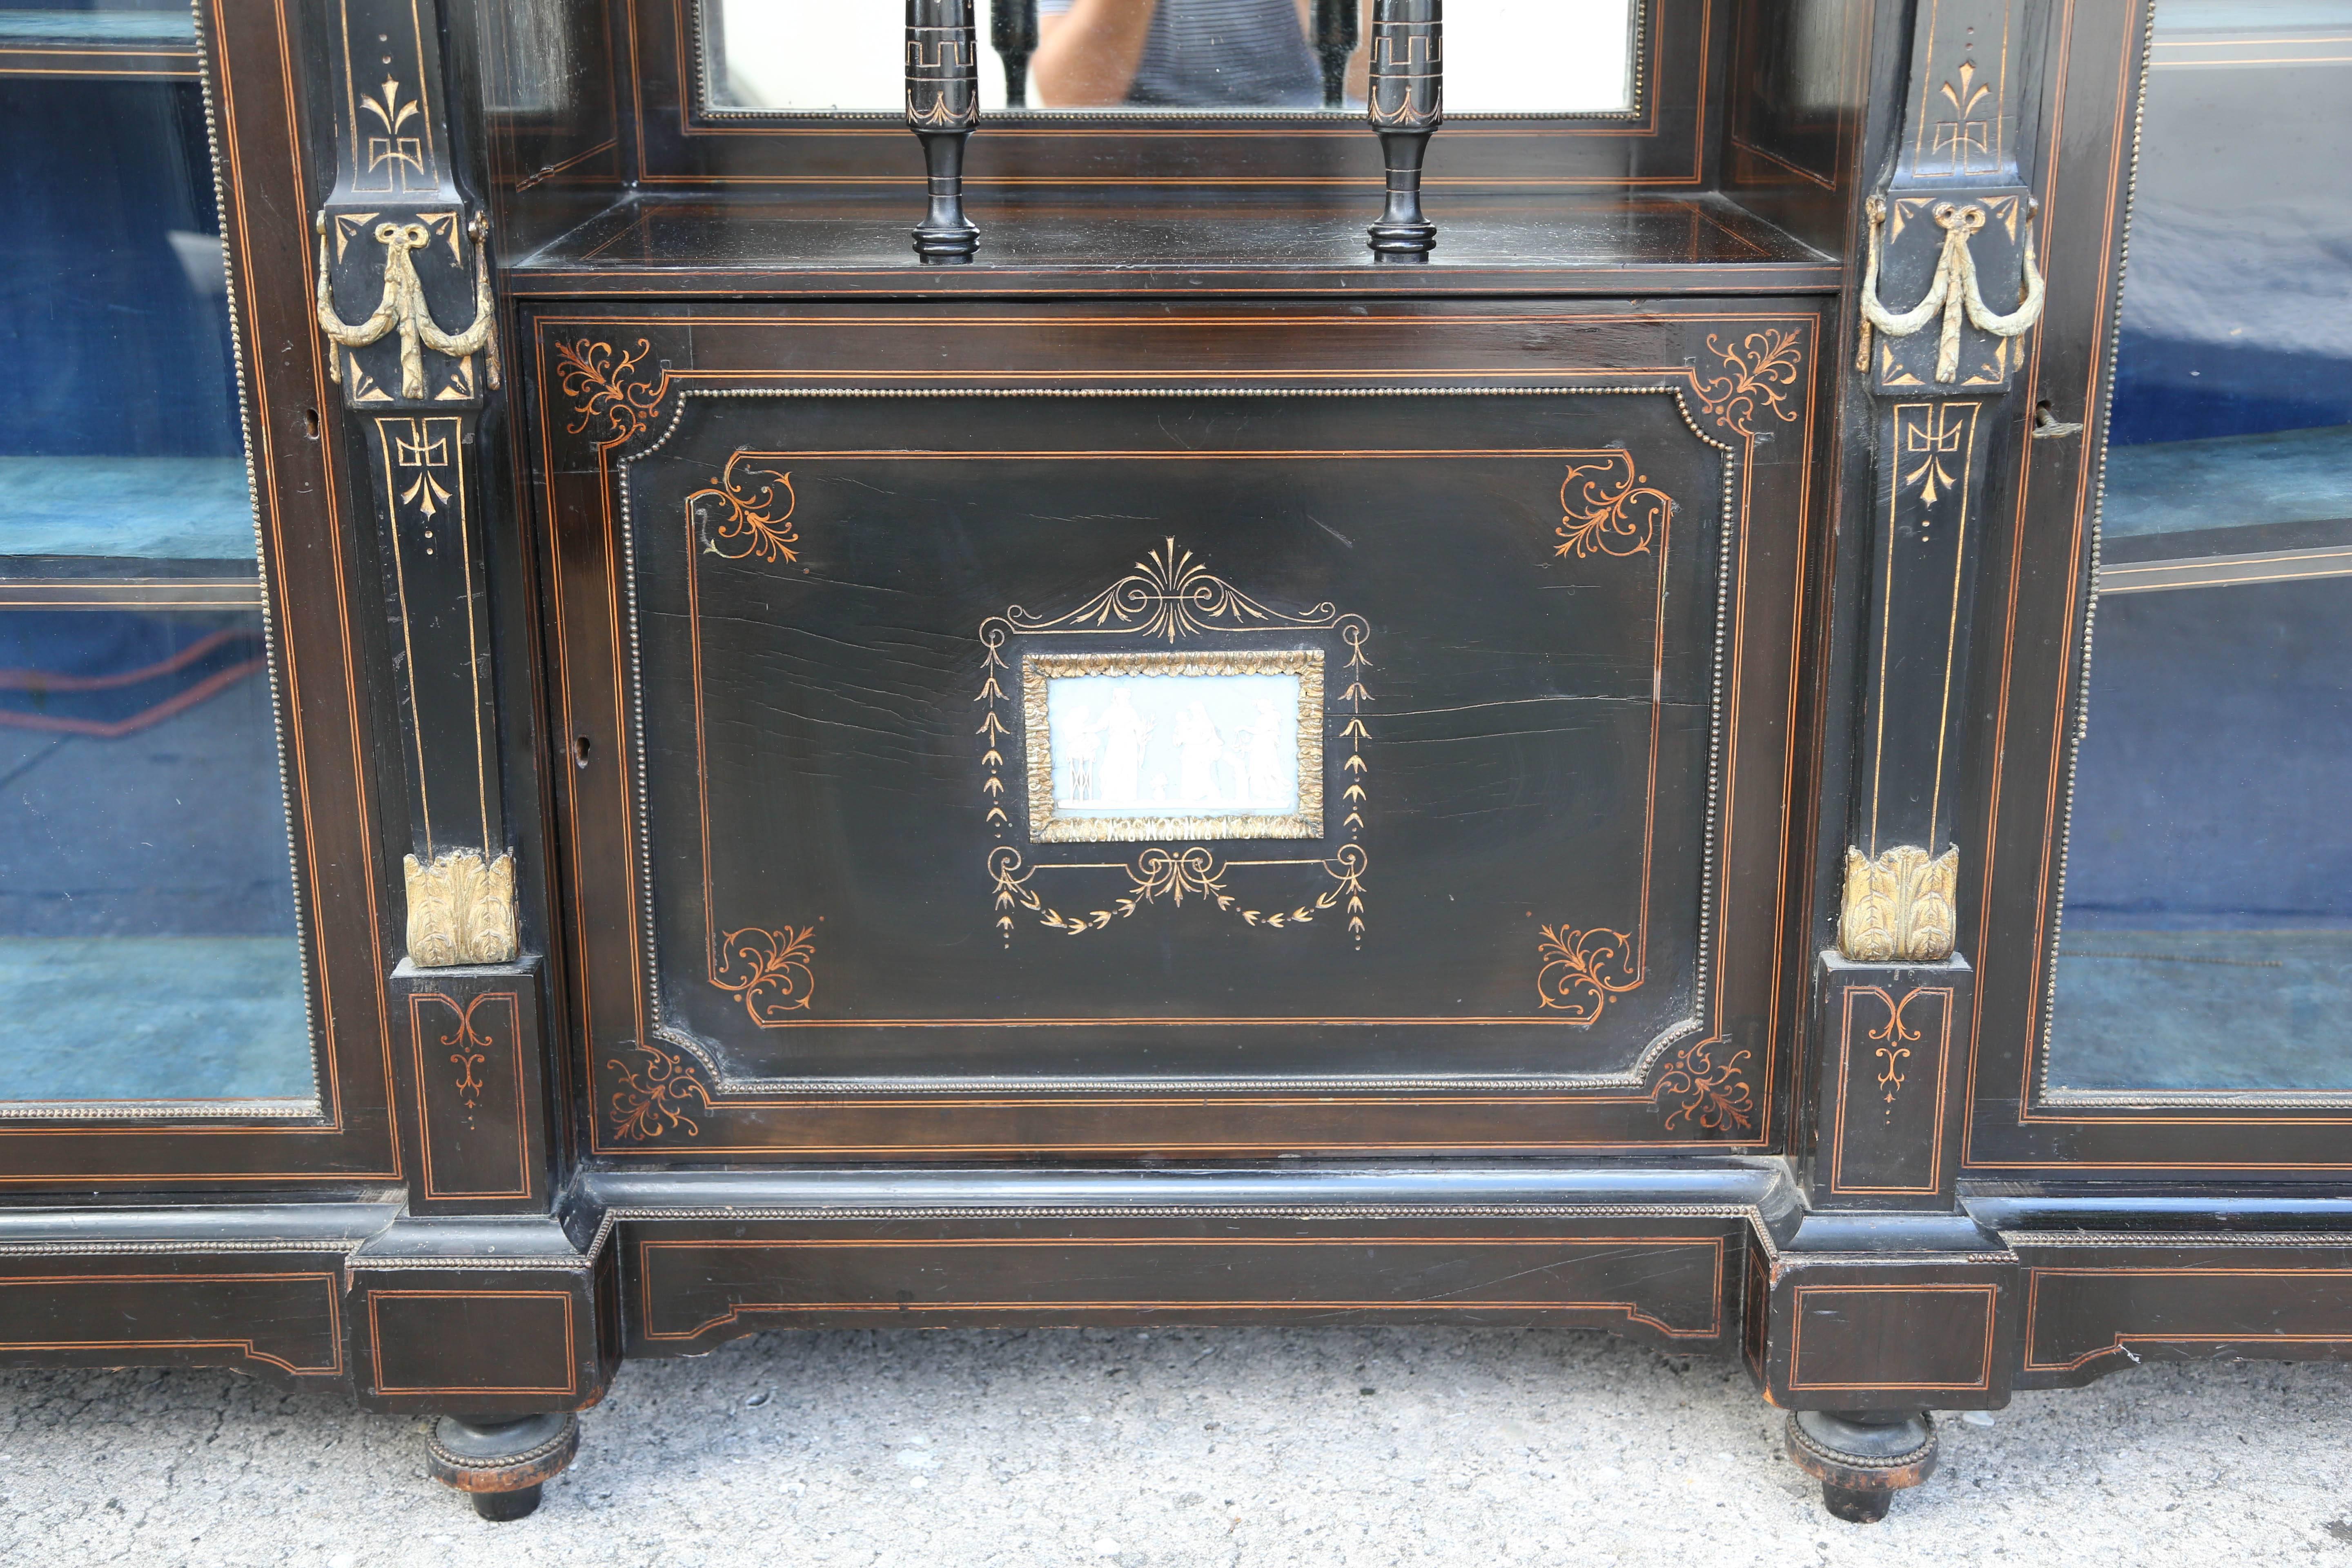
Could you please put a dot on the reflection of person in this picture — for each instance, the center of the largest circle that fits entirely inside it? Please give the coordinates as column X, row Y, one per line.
column 1179, row 54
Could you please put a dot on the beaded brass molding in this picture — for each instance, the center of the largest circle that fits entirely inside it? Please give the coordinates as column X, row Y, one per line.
column 1898, row 906
column 461, row 908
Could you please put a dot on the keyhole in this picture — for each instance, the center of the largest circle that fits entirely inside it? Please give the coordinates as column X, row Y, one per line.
column 579, row 751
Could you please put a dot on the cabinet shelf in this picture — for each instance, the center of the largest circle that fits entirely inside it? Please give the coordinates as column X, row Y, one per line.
column 126, row 533
column 147, row 44
column 2233, row 509
column 1549, row 245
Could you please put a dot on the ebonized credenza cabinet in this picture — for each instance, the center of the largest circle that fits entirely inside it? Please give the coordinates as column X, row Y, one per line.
column 1178, row 766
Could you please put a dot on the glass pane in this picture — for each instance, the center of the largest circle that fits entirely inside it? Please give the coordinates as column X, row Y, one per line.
column 147, row 918
column 2206, row 933
column 1502, row 57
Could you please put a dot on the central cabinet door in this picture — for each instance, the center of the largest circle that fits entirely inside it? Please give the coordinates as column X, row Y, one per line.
column 1074, row 731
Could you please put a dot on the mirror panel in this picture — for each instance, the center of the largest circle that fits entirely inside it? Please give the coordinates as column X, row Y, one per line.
column 1095, row 56
column 2206, row 937
column 148, row 946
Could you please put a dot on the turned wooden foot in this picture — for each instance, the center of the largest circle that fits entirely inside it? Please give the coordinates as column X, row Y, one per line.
column 502, row 1463
column 1862, row 1457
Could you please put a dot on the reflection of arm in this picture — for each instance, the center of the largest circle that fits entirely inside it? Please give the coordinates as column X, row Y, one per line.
column 1086, row 56
column 1360, row 64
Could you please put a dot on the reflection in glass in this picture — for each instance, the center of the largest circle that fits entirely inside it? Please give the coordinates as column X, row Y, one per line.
column 2206, row 929
column 147, row 920
column 1502, row 57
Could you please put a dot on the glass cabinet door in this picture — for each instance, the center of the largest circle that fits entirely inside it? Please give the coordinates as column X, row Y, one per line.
column 2206, row 943
column 148, row 946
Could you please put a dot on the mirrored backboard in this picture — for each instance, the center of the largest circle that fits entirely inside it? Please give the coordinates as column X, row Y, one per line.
column 1095, row 56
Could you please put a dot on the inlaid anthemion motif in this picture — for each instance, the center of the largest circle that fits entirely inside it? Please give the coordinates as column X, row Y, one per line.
column 1609, row 507
column 1714, row 1095
column 739, row 516
column 1174, row 876
column 772, row 972
column 1171, row 597
column 654, row 1094
column 1582, row 970
column 468, row 1047
column 1893, row 1042
column 460, row 908
column 1759, row 373
column 1898, row 906
column 608, row 389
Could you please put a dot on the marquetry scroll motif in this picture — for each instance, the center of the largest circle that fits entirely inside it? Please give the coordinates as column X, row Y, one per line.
column 1706, row 1088
column 771, row 973
column 1170, row 599
column 654, row 1095
column 1583, row 970
column 614, row 392
column 1888, row 1105
column 1753, row 379
column 1898, row 906
column 461, row 908
column 474, row 1054
column 1609, row 507
column 746, row 512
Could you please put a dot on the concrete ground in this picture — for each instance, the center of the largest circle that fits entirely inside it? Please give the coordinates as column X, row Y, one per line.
column 1225, row 1446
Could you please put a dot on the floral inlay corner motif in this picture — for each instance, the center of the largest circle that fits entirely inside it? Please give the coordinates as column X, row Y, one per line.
column 1609, row 507
column 1582, row 970
column 1759, row 373
column 652, row 1100
column 771, row 973
column 608, row 389
column 1711, row 1095
column 737, row 518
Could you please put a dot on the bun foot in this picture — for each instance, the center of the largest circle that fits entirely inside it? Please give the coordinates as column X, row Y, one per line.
column 502, row 1463
column 1862, row 1457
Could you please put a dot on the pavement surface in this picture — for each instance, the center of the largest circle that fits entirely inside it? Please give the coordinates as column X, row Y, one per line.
column 1224, row 1447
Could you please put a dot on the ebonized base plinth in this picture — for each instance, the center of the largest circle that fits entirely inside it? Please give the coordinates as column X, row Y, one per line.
column 1862, row 1457
column 502, row 1465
